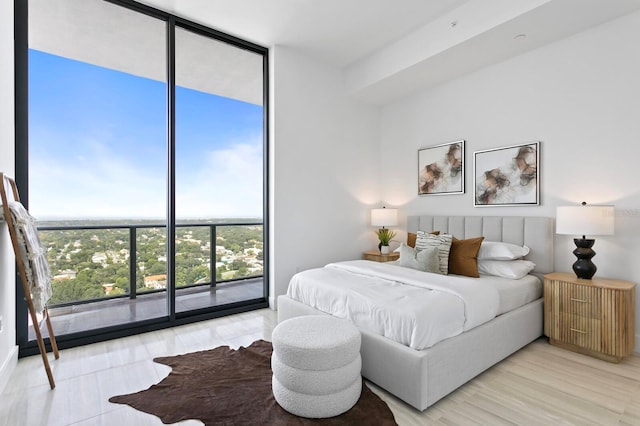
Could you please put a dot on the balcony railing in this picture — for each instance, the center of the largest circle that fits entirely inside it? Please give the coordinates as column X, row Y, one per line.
column 86, row 259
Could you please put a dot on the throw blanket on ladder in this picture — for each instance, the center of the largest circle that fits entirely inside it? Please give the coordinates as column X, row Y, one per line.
column 36, row 264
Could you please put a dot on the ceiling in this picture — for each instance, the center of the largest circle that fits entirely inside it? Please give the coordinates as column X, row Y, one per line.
column 386, row 49
column 389, row 48
column 335, row 31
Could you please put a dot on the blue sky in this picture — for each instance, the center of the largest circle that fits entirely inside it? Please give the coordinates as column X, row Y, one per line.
column 97, row 146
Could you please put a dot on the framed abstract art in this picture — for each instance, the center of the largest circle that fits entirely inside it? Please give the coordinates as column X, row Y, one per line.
column 441, row 169
column 507, row 176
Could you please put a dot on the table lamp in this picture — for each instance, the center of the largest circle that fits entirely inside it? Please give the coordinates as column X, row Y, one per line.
column 584, row 220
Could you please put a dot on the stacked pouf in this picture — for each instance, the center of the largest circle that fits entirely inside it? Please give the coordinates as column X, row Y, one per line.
column 316, row 366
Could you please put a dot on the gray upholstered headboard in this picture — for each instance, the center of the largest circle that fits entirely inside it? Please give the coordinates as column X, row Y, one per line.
column 534, row 232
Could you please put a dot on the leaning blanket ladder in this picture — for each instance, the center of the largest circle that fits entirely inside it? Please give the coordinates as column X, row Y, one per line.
column 22, row 268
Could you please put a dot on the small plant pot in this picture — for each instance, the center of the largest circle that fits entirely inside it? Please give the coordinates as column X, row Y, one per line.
column 385, row 249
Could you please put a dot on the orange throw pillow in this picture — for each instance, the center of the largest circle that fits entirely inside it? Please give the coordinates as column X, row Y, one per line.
column 463, row 257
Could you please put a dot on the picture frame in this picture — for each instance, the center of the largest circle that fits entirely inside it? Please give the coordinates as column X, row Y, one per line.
column 507, row 176
column 441, row 169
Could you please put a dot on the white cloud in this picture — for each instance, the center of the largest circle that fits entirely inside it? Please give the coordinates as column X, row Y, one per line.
column 106, row 186
column 230, row 185
column 100, row 183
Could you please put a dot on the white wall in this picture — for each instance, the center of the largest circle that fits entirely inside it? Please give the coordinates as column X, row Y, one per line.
column 8, row 348
column 324, row 168
column 580, row 97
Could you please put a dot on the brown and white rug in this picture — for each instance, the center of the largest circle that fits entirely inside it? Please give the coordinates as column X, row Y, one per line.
column 223, row 386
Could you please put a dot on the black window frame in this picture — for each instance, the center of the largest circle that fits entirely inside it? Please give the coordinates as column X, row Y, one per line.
column 173, row 319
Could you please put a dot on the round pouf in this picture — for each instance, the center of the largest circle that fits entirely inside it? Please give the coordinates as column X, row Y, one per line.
column 316, row 366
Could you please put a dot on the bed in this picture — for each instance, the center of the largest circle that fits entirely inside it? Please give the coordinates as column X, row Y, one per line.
column 422, row 377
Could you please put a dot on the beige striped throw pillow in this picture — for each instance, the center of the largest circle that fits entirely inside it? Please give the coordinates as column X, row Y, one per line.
column 442, row 242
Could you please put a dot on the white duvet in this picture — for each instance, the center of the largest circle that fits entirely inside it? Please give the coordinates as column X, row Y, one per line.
column 417, row 309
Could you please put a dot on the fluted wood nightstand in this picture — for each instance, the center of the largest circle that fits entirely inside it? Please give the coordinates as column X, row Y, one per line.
column 594, row 317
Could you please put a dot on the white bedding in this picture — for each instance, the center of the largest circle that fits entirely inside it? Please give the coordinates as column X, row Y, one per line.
column 415, row 308
column 514, row 293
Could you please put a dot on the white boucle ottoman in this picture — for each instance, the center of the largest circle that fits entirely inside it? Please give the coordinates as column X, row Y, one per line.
column 316, row 366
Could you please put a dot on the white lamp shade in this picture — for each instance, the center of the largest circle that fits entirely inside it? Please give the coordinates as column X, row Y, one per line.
column 585, row 220
column 384, row 217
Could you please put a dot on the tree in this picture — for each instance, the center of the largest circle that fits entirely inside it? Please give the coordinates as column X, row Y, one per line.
column 122, row 283
column 157, row 268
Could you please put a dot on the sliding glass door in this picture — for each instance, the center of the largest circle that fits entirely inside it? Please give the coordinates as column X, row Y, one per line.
column 146, row 153
column 97, row 157
column 219, row 170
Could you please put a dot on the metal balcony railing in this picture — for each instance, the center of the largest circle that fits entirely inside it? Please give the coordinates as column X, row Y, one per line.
column 133, row 264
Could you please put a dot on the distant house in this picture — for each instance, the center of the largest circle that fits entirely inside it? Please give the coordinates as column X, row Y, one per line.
column 156, row 281
column 99, row 257
column 67, row 274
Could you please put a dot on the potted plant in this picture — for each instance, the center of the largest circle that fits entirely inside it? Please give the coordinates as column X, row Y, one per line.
column 384, row 235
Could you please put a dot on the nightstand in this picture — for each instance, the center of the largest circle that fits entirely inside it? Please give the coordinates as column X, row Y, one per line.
column 594, row 317
column 376, row 256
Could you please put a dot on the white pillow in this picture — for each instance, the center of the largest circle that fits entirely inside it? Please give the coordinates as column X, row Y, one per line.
column 515, row 269
column 442, row 242
column 423, row 260
column 494, row 250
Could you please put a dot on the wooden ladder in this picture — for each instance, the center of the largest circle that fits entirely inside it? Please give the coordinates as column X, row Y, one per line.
column 22, row 268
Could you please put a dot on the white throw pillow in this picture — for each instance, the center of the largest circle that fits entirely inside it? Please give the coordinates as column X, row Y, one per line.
column 442, row 242
column 515, row 269
column 494, row 250
column 423, row 260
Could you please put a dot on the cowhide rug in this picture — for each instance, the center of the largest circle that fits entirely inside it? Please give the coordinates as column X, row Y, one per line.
column 223, row 386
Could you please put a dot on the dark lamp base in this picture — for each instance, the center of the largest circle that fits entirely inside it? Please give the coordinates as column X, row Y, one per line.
column 583, row 267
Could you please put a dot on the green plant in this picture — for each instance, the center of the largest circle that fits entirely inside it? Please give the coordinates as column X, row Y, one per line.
column 385, row 235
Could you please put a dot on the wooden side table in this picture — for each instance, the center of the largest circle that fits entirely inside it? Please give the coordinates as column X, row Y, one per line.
column 376, row 256
column 594, row 317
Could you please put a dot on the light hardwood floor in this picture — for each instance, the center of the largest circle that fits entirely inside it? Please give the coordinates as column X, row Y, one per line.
column 539, row 385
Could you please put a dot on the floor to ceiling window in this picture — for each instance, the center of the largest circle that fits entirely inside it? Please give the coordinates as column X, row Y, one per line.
column 219, row 156
column 144, row 165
